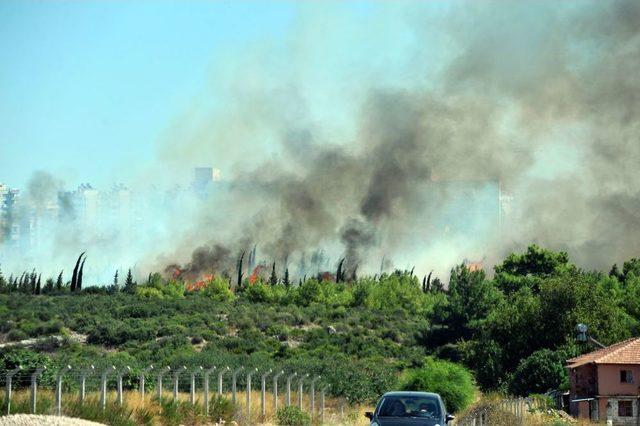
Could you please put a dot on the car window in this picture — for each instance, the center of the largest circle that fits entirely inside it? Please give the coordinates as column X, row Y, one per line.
column 409, row 406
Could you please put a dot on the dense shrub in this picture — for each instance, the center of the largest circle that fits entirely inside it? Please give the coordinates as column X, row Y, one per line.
column 220, row 408
column 539, row 373
column 218, row 290
column 452, row 381
column 292, row 416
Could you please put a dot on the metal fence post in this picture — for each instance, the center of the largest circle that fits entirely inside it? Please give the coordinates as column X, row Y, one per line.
column 249, row 374
column 121, row 373
column 206, row 389
column 275, row 391
column 103, row 387
column 176, row 379
column 161, row 373
column 141, row 380
column 83, row 380
column 300, row 393
column 313, row 396
column 192, row 395
column 59, row 389
column 220, row 374
column 263, row 393
column 289, row 378
column 234, row 378
column 322, row 394
column 9, row 377
column 34, row 387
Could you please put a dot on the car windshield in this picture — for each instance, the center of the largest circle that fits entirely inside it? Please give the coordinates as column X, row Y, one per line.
column 410, row 406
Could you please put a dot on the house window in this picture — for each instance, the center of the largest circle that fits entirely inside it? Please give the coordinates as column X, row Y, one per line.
column 625, row 409
column 626, row 376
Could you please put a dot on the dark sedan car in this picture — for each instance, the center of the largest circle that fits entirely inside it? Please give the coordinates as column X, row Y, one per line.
column 410, row 409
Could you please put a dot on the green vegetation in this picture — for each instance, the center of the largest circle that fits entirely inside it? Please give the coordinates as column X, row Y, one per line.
column 452, row 381
column 512, row 331
column 292, row 416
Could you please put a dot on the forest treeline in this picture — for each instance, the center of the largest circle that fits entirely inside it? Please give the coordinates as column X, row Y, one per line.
column 513, row 331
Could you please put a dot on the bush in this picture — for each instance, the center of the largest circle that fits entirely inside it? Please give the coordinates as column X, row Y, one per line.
column 542, row 371
column 218, row 290
column 16, row 335
column 453, row 382
column 292, row 416
column 220, row 408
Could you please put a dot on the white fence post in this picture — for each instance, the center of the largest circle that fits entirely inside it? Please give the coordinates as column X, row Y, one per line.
column 103, row 387
column 83, row 381
column 192, row 394
column 124, row 371
column 141, row 381
column 322, row 395
column 161, row 373
column 234, row 379
column 220, row 374
column 206, row 389
column 289, row 378
column 176, row 379
column 313, row 396
column 263, row 393
column 300, row 393
column 9, row 378
column 275, row 391
column 34, row 387
column 59, row 389
column 249, row 374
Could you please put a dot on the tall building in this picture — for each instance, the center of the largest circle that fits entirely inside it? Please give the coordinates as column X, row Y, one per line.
column 9, row 230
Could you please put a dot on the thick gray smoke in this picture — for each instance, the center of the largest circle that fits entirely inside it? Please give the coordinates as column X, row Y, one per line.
column 421, row 134
column 541, row 98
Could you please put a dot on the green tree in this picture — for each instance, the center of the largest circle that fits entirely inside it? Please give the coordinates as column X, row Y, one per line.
column 541, row 372
column 59, row 282
column 471, row 298
column 273, row 279
column 631, row 268
column 4, row 285
column 528, row 269
column 129, row 284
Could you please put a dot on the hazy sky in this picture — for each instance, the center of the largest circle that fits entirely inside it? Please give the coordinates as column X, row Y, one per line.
column 87, row 86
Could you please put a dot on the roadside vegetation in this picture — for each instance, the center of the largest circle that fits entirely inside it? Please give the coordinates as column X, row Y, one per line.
column 510, row 333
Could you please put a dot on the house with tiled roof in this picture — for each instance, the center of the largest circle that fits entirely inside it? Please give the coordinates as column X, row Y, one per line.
column 605, row 384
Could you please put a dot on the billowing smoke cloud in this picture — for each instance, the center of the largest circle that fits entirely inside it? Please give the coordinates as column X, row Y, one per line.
column 423, row 134
column 540, row 97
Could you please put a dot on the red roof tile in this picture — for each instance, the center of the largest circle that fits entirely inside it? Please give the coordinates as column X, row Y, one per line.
column 625, row 352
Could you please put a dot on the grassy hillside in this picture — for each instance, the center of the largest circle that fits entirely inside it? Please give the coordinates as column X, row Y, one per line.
column 360, row 336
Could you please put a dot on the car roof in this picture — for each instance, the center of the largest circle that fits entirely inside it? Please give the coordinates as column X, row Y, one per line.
column 411, row 393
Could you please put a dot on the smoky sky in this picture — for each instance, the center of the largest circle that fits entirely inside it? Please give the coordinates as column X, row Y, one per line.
column 336, row 138
column 541, row 97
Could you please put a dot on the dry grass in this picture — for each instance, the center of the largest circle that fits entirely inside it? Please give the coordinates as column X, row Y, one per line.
column 133, row 402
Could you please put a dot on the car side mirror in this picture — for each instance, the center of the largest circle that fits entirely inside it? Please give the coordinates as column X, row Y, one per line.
column 369, row 415
column 449, row 417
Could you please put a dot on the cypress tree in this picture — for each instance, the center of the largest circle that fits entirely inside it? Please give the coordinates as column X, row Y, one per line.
column 339, row 273
column 59, row 281
column 39, row 285
column 4, row 286
column 273, row 279
column 80, row 273
column 48, row 286
column 239, row 265
column 129, row 285
column 74, row 277
column 286, row 281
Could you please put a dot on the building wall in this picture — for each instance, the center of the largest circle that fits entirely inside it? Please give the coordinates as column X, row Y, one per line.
column 609, row 380
column 584, row 381
column 622, row 421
